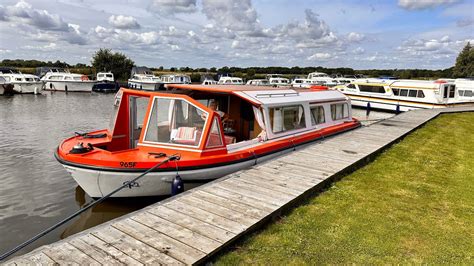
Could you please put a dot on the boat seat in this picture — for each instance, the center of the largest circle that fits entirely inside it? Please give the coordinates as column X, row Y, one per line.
column 185, row 135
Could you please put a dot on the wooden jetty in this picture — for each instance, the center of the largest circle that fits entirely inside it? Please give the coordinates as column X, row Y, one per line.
column 193, row 226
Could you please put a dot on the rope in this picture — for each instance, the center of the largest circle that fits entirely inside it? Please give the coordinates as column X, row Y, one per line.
column 129, row 184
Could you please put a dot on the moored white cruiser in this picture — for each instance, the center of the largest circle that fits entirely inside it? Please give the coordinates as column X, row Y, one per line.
column 143, row 78
column 59, row 79
column 22, row 83
column 402, row 95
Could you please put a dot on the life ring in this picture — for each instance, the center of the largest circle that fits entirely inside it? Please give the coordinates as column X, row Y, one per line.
column 84, row 77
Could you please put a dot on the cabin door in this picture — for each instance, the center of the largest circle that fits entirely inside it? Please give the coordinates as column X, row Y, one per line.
column 137, row 112
column 449, row 91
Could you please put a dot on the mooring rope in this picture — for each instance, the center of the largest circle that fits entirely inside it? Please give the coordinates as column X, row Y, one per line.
column 130, row 184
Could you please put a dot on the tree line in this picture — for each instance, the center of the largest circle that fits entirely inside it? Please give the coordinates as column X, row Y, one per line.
column 120, row 65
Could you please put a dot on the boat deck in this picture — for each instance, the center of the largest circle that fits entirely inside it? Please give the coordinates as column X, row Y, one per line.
column 193, row 226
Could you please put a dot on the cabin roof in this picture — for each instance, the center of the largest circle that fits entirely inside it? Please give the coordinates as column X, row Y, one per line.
column 266, row 96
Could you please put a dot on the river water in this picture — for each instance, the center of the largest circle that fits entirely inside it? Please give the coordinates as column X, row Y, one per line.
column 35, row 190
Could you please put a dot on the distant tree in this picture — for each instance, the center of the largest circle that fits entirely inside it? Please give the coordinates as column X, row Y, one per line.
column 161, row 68
column 465, row 62
column 172, row 69
column 213, row 69
column 117, row 63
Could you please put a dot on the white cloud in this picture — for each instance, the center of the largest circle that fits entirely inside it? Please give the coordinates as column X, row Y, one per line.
column 125, row 37
column 319, row 56
column 465, row 22
column 236, row 16
column 358, row 51
column 44, row 48
column 23, row 12
column 355, row 37
column 171, row 7
column 314, row 32
column 442, row 47
column 123, row 22
column 423, row 4
column 40, row 23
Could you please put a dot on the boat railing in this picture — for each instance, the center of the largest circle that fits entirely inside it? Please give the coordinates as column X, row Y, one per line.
column 276, row 94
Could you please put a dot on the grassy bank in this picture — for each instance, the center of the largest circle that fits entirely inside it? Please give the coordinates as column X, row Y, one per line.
column 414, row 203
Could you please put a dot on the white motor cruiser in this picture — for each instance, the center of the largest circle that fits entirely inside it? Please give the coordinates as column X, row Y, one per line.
column 142, row 78
column 322, row 79
column 22, row 83
column 59, row 79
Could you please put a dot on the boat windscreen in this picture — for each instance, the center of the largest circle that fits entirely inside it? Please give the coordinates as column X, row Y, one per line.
column 175, row 121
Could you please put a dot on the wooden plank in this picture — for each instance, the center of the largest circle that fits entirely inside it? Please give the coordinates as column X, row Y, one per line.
column 34, row 258
column 206, row 216
column 246, row 199
column 105, row 248
column 195, row 225
column 295, row 183
column 177, row 232
column 322, row 165
column 348, row 156
column 167, row 245
column 133, row 247
column 339, row 156
column 97, row 254
column 65, row 253
column 268, row 189
column 276, row 185
column 292, row 169
column 231, row 204
column 234, row 215
column 257, row 195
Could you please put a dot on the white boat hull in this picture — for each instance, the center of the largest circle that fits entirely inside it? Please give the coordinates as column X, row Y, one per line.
column 97, row 183
column 28, row 88
column 72, row 86
column 385, row 106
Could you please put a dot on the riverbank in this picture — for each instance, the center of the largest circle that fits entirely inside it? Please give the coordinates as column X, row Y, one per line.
column 414, row 203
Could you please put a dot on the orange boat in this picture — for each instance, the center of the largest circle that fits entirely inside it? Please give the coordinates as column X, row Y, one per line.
column 215, row 129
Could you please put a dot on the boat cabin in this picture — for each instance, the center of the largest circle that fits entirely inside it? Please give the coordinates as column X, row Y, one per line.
column 197, row 118
column 230, row 81
column 105, row 76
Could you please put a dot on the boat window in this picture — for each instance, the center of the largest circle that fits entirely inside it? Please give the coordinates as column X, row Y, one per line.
column 420, row 94
column 351, row 86
column 460, row 92
column 404, row 92
column 287, row 118
column 412, row 93
column 468, row 93
column 109, row 75
column 339, row 111
column 317, row 115
column 396, row 92
column 372, row 89
column 215, row 138
column 175, row 121
column 18, row 79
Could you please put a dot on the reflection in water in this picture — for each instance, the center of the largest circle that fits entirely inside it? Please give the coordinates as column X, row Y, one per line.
column 104, row 211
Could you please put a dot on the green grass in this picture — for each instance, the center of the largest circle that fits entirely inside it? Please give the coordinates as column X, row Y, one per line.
column 413, row 204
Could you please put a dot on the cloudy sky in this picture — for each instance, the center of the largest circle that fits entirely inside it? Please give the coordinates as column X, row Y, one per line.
column 205, row 33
